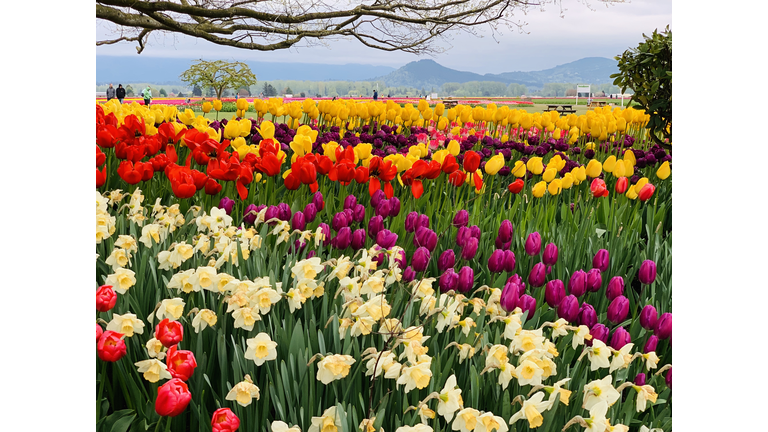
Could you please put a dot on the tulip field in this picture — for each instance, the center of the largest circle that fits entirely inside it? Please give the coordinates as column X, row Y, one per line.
column 359, row 265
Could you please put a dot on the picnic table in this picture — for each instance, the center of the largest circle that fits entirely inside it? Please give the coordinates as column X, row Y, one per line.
column 562, row 109
column 596, row 104
column 449, row 103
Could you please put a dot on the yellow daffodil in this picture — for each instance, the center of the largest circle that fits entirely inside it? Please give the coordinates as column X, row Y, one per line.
column 531, row 410
column 243, row 392
column 466, row 420
column 260, row 349
column 279, row 426
column 203, row 318
column 416, row 376
column 330, row 421
column 600, row 390
column 334, row 367
column 126, row 324
column 154, row 370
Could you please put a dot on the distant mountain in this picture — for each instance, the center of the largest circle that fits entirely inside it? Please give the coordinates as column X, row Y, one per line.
column 428, row 73
column 167, row 70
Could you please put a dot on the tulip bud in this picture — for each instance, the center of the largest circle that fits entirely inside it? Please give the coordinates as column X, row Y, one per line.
column 172, row 398
column 618, row 309
column 620, row 338
column 466, row 279
column 377, row 197
column 538, row 275
column 420, row 259
column 509, row 261
column 271, row 213
column 587, row 315
column 598, row 331
column 600, row 261
column 517, row 280
column 640, row 378
column 568, row 309
column 181, row 363
column 310, row 212
column 250, row 212
column 394, row 207
column 339, row 221
column 375, row 225
column 664, row 326
column 461, row 219
column 533, row 244
column 668, row 378
column 470, row 249
column 649, row 317
column 105, row 298
column 358, row 239
column 463, row 235
column 110, row 347
column 383, row 208
column 423, row 221
column 505, row 231
column 99, row 332
column 224, row 420
column 284, row 212
column 408, row 275
column 410, row 220
column 554, row 293
column 227, row 204
column 577, row 285
column 298, row 222
column 550, row 254
column 496, row 261
column 386, row 239
column 650, row 344
column 317, row 200
column 449, row 280
column 621, row 185
column 378, row 255
column 527, row 304
column 425, row 237
column 350, row 214
column 474, row 230
column 350, row 202
column 594, row 280
column 446, row 260
column 647, row 272
column 510, row 296
column 343, row 238
column 615, row 288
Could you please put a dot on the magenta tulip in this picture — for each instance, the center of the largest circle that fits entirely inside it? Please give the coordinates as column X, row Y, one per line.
column 599, row 331
column 510, row 296
column 394, row 207
column 509, row 261
column 601, row 260
column 615, row 288
column 554, row 293
column 470, row 249
column 463, row 235
column 339, row 221
column 577, row 285
column 496, row 261
column 408, row 275
column 640, row 379
column 317, row 200
column 358, row 239
column 375, row 225
column 383, row 208
column 649, row 317
column 594, row 280
column 461, row 219
column 358, row 213
column 410, row 220
column 618, row 309
column 527, row 304
column 310, row 213
column 448, row 280
column 420, row 259
column 386, row 239
column 298, row 222
column 647, row 272
column 533, row 244
column 466, row 280
column 620, row 338
column 664, row 326
column 568, row 309
column 587, row 315
column 538, row 275
column 650, row 344
column 350, row 202
column 550, row 254
column 446, row 260
column 505, row 231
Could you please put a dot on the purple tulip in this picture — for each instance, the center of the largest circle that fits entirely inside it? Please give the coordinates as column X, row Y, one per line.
column 568, row 309
column 310, row 254
column 527, row 304
column 598, row 331
column 386, row 239
column 496, row 261
column 517, row 280
column 358, row 239
column 339, row 221
column 326, row 230
column 510, row 296
column 664, row 326
column 533, row 244
column 615, row 288
column 394, row 207
column 271, row 213
column 377, row 197
column 284, row 212
column 554, row 293
column 449, row 280
column 509, row 261
column 650, row 344
column 550, row 254
column 383, row 208
column 640, row 379
column 343, row 238
column 461, row 219
column 446, row 260
column 350, row 214
column 587, row 315
column 298, row 246
column 408, row 275
column 647, row 272
column 410, row 221
column 649, row 317
column 620, row 338
column 466, row 279
column 538, row 275
column 227, row 204
column 358, row 213
column 249, row 217
column 420, row 259
column 668, row 378
column 310, row 213
column 618, row 309
column 375, row 225
column 501, row 245
column 463, row 235
column 505, row 231
column 474, row 230
column 425, row 237
column 470, row 249
column 350, row 202
column 594, row 280
column 317, row 200
column 423, row 221
column 578, row 283
column 298, row 222
column 601, row 260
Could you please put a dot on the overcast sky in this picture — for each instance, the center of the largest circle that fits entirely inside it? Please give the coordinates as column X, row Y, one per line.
column 595, row 31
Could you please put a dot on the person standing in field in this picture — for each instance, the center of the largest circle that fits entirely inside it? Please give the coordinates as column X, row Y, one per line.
column 120, row 93
column 110, row 92
column 147, row 94
column 375, row 95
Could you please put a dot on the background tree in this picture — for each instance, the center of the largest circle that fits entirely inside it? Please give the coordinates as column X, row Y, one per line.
column 647, row 70
column 218, row 75
column 197, row 91
column 163, row 93
column 129, row 91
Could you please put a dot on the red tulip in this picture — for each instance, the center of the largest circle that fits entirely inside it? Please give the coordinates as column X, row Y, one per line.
column 212, row 187
column 457, row 178
column 129, row 172
column 100, row 157
column 169, row 332
column 181, row 363
column 471, row 161
column 598, row 188
column 172, row 398
column 105, row 298
column 621, row 185
column 646, row 192
column 99, row 332
column 449, row 164
column 101, row 176
column 292, row 182
column 111, row 346
column 224, row 420
column 516, row 186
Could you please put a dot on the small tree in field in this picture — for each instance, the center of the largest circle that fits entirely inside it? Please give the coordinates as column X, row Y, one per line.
column 163, row 93
column 218, row 75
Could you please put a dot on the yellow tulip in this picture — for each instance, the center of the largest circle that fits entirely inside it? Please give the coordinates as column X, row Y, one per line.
column 609, row 163
column 631, row 193
column 519, row 169
column 539, row 189
column 579, row 174
column 242, row 104
column 301, row 145
column 440, row 155
column 237, row 143
column 442, row 124
column 567, row 181
column 217, row 105
column 245, row 127
column 207, row 107
column 267, row 129
column 439, row 109
column 594, row 168
column 240, row 114
column 329, row 149
column 589, row 146
column 187, row 117
column 232, row 129
column 663, row 171
column 555, row 187
column 549, row 174
column 535, row 165
column 556, row 162
column 629, row 157
column 557, row 134
column 423, row 105
column 454, row 148
column 639, row 185
column 363, row 150
column 494, row 164
column 629, row 170
column 619, row 170
column 451, row 114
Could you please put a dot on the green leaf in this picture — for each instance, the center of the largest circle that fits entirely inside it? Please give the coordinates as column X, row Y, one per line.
column 122, row 424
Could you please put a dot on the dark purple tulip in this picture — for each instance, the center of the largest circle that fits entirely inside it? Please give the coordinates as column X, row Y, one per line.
column 386, row 239
column 284, row 212
column 339, row 221
column 326, row 230
column 466, row 279
column 383, row 208
column 647, row 273
column 461, row 219
column 470, row 249
column 251, row 218
column 227, row 204
column 317, row 200
column 650, row 344
column 568, row 309
column 375, row 225
column 533, row 244
column 601, row 260
column 449, row 280
column 640, row 379
column 410, row 221
column 310, row 254
column 409, row 274
column 587, row 315
column 664, row 326
column 510, row 296
column 578, row 283
column 425, row 237
column 298, row 221
column 394, row 206
column 615, row 288
column 350, row 202
column 463, row 235
column 668, row 378
column 350, row 214
column 358, row 239
column 618, row 309
column 527, row 304
column 271, row 213
column 496, row 261
column 358, row 213
column 594, row 280
column 517, row 280
column 343, row 238
column 400, row 259
column 620, row 338
column 377, row 197
column 423, row 221
column 505, row 231
column 599, row 331
column 649, row 317
column 310, row 213
column 420, row 259
column 550, row 254
column 474, row 230
column 446, row 260
column 538, row 275
column 554, row 293
column 509, row 261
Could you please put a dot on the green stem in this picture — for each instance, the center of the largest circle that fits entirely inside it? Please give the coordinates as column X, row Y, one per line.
column 101, row 389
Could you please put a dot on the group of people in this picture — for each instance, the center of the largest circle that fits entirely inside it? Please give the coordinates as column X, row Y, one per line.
column 119, row 93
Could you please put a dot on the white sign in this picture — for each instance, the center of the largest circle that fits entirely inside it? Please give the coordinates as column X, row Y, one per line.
column 582, row 89
column 434, row 96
